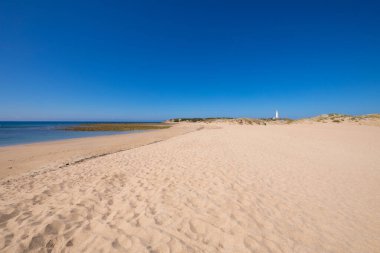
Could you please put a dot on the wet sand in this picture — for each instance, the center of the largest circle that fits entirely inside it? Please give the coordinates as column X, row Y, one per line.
column 225, row 188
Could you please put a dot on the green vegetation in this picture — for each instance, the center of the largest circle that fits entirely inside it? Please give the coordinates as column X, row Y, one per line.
column 369, row 116
column 338, row 118
column 117, row 126
column 324, row 118
column 337, row 115
column 196, row 119
column 241, row 121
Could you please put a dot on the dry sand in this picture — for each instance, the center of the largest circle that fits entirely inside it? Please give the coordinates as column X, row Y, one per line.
column 225, row 188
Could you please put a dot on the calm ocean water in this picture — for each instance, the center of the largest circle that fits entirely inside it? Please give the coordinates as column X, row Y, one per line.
column 12, row 133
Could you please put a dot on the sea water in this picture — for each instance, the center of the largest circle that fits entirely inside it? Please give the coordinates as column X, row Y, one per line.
column 21, row 132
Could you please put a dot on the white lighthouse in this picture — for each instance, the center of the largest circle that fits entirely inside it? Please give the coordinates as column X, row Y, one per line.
column 276, row 115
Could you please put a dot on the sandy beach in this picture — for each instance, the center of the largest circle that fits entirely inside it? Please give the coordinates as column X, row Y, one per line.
column 196, row 188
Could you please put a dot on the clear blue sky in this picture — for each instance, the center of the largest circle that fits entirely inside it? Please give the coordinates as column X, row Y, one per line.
column 153, row 60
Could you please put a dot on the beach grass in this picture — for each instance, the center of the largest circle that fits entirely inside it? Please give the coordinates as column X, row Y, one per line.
column 117, row 126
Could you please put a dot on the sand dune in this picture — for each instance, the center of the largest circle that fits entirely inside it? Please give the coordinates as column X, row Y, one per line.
column 225, row 188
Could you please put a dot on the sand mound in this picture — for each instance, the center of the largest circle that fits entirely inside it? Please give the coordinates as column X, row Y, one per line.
column 368, row 119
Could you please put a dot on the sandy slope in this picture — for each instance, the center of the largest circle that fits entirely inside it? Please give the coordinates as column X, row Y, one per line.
column 289, row 188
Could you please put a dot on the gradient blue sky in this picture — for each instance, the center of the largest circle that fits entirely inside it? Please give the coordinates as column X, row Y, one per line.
column 153, row 60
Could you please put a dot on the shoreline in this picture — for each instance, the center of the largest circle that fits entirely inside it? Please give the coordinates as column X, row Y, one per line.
column 31, row 157
column 25, row 132
column 75, row 138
